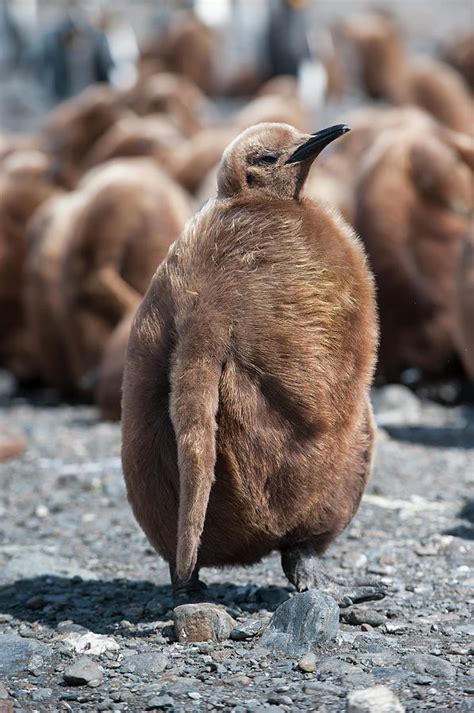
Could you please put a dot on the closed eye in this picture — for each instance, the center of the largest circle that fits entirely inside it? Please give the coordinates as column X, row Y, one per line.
column 266, row 159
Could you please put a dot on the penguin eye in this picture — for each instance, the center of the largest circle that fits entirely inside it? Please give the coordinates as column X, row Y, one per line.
column 266, row 159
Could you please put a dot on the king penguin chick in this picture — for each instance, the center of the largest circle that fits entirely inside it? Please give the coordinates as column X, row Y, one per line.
column 464, row 304
column 246, row 420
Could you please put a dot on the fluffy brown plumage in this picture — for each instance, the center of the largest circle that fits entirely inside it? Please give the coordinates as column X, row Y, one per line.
column 110, row 375
column 459, row 53
column 155, row 137
column 246, row 420
column 389, row 72
column 74, row 126
column 138, row 212
column 27, row 179
column 413, row 205
column 48, row 238
column 464, row 303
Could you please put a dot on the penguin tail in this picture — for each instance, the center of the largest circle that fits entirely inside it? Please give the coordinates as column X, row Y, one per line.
column 194, row 400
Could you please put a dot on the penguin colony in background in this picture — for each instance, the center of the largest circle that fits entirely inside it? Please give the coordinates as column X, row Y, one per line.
column 84, row 226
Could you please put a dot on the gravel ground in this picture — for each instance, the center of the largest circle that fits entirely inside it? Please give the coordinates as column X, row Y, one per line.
column 73, row 562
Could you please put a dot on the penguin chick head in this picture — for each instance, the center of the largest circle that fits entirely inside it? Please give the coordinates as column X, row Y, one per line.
column 271, row 161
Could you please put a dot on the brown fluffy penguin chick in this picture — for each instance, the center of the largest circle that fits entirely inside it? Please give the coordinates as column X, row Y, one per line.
column 188, row 48
column 173, row 96
column 245, row 413
column 413, row 204
column 26, row 181
column 48, row 235
column 200, row 155
column 131, row 215
column 460, row 54
column 464, row 304
column 154, row 137
column 109, row 382
column 389, row 72
column 74, row 126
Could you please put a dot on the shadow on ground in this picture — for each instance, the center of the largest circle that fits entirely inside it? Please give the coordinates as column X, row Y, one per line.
column 436, row 436
column 100, row 605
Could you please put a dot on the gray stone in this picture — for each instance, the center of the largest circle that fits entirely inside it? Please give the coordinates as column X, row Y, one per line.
column 160, row 703
column 84, row 672
column 247, row 630
column 16, row 653
column 429, row 665
column 3, row 693
column 360, row 615
column 307, row 663
column 41, row 694
column 301, row 623
column 201, row 622
column 377, row 699
column 147, row 664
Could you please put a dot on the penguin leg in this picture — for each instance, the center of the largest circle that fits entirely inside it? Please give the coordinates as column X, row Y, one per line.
column 187, row 592
column 302, row 563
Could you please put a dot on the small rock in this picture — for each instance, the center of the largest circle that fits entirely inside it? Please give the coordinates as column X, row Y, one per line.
column 302, row 622
column 307, row 663
column 354, row 560
column 91, row 643
column 377, row 699
column 160, row 703
column 429, row 665
column 147, row 664
column 247, row 630
column 194, row 695
column 84, row 672
column 201, row 622
column 16, row 653
column 41, row 694
column 3, row 693
column 359, row 615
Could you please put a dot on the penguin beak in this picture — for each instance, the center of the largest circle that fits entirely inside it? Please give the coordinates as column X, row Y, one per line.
column 317, row 142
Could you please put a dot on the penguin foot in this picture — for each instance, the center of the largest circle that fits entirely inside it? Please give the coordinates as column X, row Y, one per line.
column 303, row 568
column 190, row 592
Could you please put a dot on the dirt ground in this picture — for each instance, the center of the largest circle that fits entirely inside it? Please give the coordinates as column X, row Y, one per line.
column 73, row 560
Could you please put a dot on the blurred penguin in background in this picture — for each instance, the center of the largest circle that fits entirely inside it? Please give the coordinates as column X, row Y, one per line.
column 11, row 39
column 72, row 55
column 286, row 40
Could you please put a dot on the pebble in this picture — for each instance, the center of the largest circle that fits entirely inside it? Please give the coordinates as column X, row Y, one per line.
column 91, row 643
column 16, row 653
column 202, row 622
column 160, row 703
column 377, row 699
column 354, row 560
column 41, row 694
column 307, row 663
column 84, row 672
column 247, row 630
column 429, row 665
column 360, row 615
column 146, row 664
column 3, row 693
column 305, row 620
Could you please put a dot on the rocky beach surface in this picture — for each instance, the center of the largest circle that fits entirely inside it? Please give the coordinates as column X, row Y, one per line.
column 86, row 615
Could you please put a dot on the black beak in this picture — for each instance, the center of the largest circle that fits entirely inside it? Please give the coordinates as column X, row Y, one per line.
column 317, row 142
